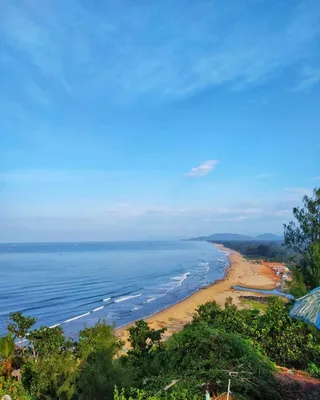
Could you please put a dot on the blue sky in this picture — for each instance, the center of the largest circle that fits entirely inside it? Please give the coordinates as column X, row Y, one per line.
column 156, row 119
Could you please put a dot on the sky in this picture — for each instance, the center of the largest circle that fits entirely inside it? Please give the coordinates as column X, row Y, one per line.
column 136, row 120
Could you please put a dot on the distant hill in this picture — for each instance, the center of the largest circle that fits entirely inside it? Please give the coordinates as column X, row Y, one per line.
column 268, row 236
column 235, row 236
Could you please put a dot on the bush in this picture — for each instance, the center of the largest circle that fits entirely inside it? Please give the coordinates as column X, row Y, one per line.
column 201, row 354
column 286, row 341
column 13, row 388
column 297, row 287
column 314, row 370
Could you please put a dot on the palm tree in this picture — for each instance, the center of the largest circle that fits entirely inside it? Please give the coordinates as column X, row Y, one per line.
column 6, row 350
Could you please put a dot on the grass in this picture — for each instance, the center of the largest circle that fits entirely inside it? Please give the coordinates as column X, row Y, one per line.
column 254, row 305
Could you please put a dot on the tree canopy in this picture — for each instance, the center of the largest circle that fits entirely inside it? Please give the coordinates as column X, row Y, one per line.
column 302, row 236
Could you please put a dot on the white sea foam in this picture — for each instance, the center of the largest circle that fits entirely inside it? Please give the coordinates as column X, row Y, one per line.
column 203, row 264
column 150, row 299
column 77, row 317
column 222, row 251
column 107, row 299
column 124, row 298
column 136, row 308
column 181, row 278
column 98, row 308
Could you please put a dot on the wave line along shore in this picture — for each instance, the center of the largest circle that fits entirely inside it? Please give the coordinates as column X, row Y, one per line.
column 241, row 272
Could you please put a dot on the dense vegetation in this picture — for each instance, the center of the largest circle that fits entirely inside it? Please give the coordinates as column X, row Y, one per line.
column 302, row 237
column 271, row 251
column 215, row 343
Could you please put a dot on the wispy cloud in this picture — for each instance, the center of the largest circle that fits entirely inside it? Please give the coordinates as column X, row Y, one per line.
column 202, row 169
column 310, row 77
column 231, row 213
column 233, row 219
column 67, row 51
column 316, row 178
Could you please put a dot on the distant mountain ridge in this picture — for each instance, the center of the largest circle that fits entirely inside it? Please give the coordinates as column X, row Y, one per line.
column 235, row 236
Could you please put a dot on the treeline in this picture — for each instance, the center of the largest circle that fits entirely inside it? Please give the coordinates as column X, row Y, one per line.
column 216, row 342
column 271, row 251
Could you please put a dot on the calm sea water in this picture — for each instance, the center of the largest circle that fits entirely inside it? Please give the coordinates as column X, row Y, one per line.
column 79, row 283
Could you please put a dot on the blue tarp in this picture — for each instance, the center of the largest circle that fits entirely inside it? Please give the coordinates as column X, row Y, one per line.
column 307, row 308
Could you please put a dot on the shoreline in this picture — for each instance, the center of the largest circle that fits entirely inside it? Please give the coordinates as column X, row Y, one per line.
column 240, row 272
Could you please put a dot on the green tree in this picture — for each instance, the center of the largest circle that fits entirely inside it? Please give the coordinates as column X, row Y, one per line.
column 263, row 250
column 144, row 357
column 99, row 372
column 143, row 338
column 208, row 312
column 100, row 335
column 20, row 326
column 47, row 341
column 52, row 376
column 53, row 370
column 229, row 319
column 281, row 337
column 315, row 251
column 302, row 236
column 297, row 286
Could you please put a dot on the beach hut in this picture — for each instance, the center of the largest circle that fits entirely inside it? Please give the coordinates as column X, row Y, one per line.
column 307, row 308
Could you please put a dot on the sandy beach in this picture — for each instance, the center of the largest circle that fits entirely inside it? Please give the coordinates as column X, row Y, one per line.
column 241, row 272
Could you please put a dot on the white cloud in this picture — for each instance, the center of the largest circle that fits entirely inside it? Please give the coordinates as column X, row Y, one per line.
column 202, row 169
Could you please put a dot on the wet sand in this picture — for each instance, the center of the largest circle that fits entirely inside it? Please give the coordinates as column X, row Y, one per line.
column 241, row 272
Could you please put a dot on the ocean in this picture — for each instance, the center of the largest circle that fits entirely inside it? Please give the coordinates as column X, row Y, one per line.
column 77, row 284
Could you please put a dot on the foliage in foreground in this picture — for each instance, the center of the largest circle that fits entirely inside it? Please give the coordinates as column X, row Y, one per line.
column 13, row 388
column 285, row 341
column 139, row 394
column 216, row 342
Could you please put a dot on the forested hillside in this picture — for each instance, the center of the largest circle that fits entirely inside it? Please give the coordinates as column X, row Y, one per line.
column 273, row 251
